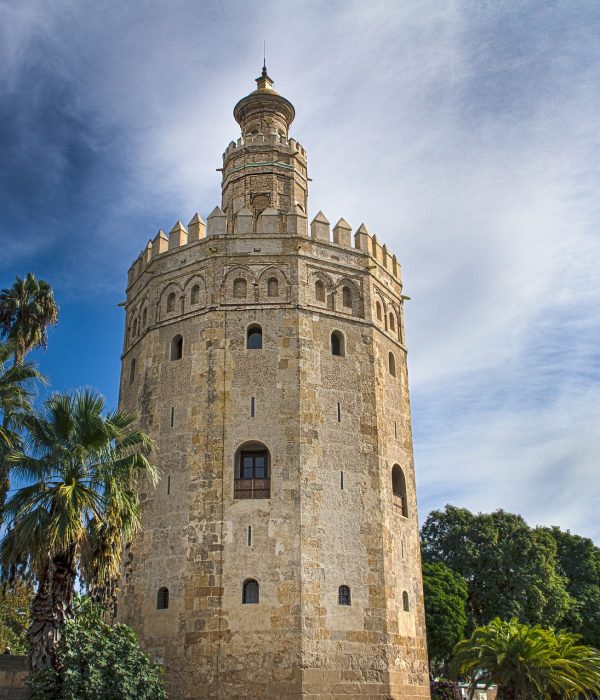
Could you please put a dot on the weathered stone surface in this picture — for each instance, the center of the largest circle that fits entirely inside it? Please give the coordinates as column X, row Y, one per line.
column 334, row 426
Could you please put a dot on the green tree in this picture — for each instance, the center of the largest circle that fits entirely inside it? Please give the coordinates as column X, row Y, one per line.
column 445, row 615
column 27, row 309
column 98, row 661
column 15, row 601
column 579, row 563
column 15, row 394
column 78, row 508
column 528, row 662
column 510, row 568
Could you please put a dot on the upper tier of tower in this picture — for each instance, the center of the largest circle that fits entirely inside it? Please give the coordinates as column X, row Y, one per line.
column 264, row 169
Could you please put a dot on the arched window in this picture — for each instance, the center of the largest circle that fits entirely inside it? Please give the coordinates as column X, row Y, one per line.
column 392, row 322
column 171, row 302
column 162, row 599
column 240, row 288
column 344, row 595
column 254, row 337
column 337, row 344
column 378, row 311
column 252, row 471
column 405, row 605
column 392, row 364
column 177, row 347
column 144, row 317
column 250, row 592
column 346, row 297
column 132, row 371
column 319, row 291
column 195, row 294
column 272, row 287
column 399, row 489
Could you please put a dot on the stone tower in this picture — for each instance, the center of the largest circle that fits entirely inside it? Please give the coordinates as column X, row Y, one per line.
column 279, row 554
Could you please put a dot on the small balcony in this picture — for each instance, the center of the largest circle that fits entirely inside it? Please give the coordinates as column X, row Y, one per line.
column 252, row 488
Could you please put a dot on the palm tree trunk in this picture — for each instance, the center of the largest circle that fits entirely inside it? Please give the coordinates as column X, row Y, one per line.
column 52, row 607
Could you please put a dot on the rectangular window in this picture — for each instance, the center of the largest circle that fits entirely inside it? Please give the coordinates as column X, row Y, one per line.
column 252, row 407
column 172, row 416
column 168, row 486
column 252, row 475
column 249, row 535
column 339, row 412
column 341, row 480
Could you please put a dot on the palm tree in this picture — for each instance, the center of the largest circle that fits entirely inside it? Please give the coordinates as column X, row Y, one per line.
column 15, row 394
column 528, row 662
column 78, row 507
column 27, row 309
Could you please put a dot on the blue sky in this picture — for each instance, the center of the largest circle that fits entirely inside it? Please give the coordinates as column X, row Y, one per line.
column 464, row 134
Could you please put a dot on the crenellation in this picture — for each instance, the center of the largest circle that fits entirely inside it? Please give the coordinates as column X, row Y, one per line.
column 319, row 227
column 268, row 221
column 216, row 223
column 178, row 236
column 342, row 233
column 244, row 222
column 160, row 243
column 196, row 228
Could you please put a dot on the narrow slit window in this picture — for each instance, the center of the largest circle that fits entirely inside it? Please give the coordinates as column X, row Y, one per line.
column 249, row 535
column 252, row 407
column 392, row 322
column 392, row 364
column 172, row 416
column 342, row 480
column 399, row 490
column 144, row 317
column 378, row 311
column 395, row 429
column 339, row 412
column 169, row 485
column 405, row 604
column 132, row 371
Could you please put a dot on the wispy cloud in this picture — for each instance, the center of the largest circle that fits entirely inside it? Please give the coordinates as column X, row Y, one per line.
column 464, row 134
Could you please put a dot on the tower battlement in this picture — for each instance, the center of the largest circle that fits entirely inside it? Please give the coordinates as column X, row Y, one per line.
column 266, row 356
column 269, row 222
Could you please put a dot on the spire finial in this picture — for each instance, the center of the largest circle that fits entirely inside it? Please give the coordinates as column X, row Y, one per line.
column 264, row 68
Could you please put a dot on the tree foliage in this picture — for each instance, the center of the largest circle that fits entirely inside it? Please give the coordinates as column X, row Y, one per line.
column 15, row 602
column 445, row 613
column 78, row 507
column 98, row 661
column 528, row 661
column 579, row 563
column 27, row 309
column 510, row 568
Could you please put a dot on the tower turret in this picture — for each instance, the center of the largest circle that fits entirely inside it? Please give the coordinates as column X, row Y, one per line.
column 264, row 168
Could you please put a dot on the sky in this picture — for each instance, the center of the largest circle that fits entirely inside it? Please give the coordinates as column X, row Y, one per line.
column 464, row 134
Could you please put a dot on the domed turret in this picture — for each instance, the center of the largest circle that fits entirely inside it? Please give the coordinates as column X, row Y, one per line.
column 264, row 111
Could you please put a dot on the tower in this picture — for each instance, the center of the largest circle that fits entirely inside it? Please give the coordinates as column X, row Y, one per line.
column 279, row 554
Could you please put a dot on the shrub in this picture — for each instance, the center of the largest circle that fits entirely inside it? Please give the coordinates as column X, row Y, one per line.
column 99, row 661
column 445, row 690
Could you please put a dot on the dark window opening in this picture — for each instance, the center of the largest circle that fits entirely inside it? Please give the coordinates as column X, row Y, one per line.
column 172, row 416
column 132, row 371
column 177, row 348
column 254, row 338
column 378, row 311
column 252, row 405
column 392, row 322
column 337, row 344
column 341, row 480
column 399, row 489
column 144, row 317
column 392, row 364
column 405, row 605
column 195, row 295
column 273, row 287
column 162, row 599
column 339, row 412
column 169, row 485
column 249, row 535
column 344, row 595
column 250, row 592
